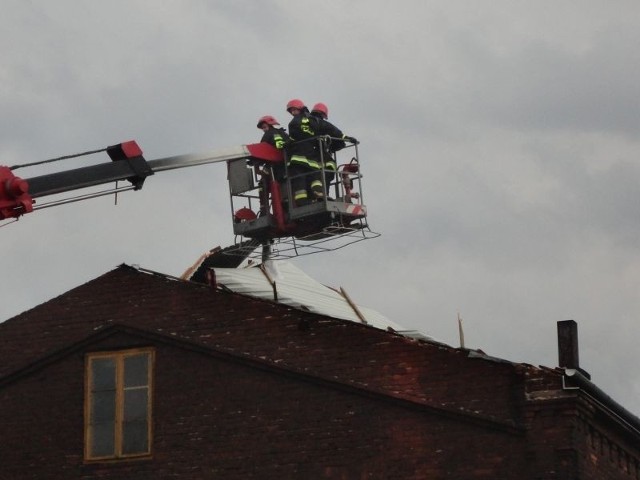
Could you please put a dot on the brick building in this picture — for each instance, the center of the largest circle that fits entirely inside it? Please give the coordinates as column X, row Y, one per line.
column 136, row 375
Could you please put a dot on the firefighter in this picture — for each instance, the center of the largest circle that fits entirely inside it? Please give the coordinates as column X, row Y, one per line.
column 303, row 156
column 274, row 136
column 335, row 143
column 278, row 138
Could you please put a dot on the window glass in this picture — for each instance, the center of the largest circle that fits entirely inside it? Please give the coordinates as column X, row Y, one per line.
column 103, row 406
column 103, row 374
column 135, row 438
column 103, row 439
column 136, row 370
column 135, row 404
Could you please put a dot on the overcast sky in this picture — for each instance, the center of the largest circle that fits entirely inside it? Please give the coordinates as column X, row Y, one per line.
column 499, row 144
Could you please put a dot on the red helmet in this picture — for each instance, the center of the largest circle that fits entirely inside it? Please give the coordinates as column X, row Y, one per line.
column 244, row 215
column 295, row 103
column 268, row 119
column 321, row 108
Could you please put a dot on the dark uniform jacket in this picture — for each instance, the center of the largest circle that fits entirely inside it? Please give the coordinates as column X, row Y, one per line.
column 275, row 136
column 337, row 137
column 302, row 129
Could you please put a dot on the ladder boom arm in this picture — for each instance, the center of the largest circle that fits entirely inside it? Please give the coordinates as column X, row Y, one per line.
column 16, row 194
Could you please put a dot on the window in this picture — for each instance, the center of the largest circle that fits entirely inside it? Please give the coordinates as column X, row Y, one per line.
column 118, row 404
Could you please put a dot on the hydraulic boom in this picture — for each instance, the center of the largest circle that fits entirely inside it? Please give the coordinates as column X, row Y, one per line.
column 17, row 195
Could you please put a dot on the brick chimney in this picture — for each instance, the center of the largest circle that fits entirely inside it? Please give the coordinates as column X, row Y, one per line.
column 568, row 355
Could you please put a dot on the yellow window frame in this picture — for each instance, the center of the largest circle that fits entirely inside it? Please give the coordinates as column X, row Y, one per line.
column 119, row 358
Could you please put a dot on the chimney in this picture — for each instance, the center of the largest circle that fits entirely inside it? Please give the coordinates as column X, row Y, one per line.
column 568, row 356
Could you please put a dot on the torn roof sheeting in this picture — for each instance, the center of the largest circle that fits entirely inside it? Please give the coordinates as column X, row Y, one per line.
column 295, row 288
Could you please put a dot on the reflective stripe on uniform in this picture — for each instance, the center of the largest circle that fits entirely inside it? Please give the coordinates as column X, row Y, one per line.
column 306, row 127
column 330, row 165
column 317, row 188
column 302, row 160
column 279, row 141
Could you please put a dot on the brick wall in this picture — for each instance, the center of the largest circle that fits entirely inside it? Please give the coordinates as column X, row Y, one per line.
column 216, row 418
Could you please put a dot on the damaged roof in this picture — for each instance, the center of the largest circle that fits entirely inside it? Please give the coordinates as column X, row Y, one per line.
column 283, row 282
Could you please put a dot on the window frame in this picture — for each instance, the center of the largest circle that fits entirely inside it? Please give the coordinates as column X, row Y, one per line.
column 119, row 357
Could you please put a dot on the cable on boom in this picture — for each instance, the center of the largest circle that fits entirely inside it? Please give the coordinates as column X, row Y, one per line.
column 57, row 159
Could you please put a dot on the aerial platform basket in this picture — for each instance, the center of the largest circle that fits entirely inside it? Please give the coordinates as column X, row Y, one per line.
column 263, row 208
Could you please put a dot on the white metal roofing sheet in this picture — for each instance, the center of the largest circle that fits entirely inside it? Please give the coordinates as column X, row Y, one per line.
column 297, row 289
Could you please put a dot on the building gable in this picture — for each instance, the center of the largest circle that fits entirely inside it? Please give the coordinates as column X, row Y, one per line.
column 324, row 396
column 328, row 348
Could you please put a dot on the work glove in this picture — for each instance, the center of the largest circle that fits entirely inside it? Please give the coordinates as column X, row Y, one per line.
column 352, row 140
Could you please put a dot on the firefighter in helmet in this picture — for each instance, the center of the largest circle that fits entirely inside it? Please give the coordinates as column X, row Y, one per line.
column 303, row 156
column 277, row 137
column 335, row 142
column 272, row 134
